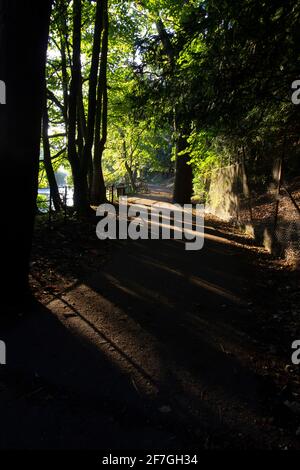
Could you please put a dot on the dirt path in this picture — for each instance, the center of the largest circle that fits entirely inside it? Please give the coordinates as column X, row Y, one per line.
column 159, row 347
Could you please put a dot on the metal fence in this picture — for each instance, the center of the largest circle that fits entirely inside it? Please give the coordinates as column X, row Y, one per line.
column 45, row 203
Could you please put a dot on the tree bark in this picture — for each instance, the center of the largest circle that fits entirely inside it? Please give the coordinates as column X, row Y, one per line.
column 54, row 191
column 79, row 179
column 23, row 43
column 130, row 173
column 64, row 36
column 98, row 190
column 183, row 187
column 92, row 96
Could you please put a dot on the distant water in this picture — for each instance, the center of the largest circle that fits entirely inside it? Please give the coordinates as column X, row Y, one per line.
column 46, row 192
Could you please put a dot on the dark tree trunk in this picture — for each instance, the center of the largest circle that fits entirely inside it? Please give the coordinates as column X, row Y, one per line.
column 79, row 179
column 183, row 187
column 92, row 96
column 165, row 40
column 130, row 173
column 81, row 126
column 98, row 190
column 23, row 43
column 47, row 160
column 64, row 38
column 131, row 176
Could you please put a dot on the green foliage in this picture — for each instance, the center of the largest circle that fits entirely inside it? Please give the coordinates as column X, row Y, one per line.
column 228, row 82
column 137, row 142
column 207, row 152
column 42, row 202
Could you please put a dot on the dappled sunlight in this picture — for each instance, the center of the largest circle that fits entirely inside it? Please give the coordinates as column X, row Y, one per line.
column 150, row 294
column 216, row 290
column 138, row 291
column 200, row 282
column 118, row 337
column 170, row 221
column 150, row 365
column 162, row 317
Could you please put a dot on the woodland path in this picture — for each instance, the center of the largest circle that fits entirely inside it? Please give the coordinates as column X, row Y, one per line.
column 158, row 348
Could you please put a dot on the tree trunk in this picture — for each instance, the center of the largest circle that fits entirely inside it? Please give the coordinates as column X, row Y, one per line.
column 183, row 187
column 87, row 161
column 79, row 179
column 128, row 167
column 64, row 37
column 23, row 44
column 98, row 190
column 54, row 191
column 165, row 40
column 131, row 176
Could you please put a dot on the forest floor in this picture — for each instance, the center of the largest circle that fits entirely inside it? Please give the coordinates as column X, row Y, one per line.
column 141, row 344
